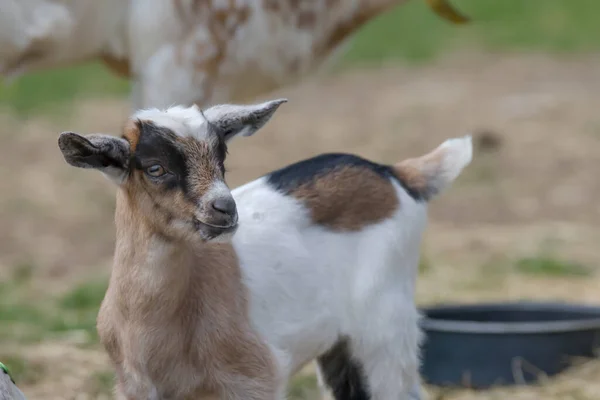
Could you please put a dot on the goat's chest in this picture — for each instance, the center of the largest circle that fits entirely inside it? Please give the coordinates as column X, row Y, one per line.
column 153, row 358
column 165, row 355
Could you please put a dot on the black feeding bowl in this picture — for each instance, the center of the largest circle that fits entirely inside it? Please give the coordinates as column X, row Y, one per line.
column 485, row 345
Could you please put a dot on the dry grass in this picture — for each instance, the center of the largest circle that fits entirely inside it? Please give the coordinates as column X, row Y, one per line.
column 531, row 192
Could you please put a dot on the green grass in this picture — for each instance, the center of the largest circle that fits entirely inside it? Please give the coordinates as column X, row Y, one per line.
column 303, row 387
column 31, row 320
column 22, row 273
column 83, row 297
column 21, row 370
column 411, row 33
column 425, row 264
column 54, row 90
column 101, row 383
column 551, row 266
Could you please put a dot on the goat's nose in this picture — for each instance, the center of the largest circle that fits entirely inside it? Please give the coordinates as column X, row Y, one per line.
column 225, row 205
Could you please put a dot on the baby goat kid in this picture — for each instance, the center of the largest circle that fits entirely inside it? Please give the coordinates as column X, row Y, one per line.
column 323, row 264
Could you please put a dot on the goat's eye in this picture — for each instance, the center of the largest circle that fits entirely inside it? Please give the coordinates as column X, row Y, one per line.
column 155, row 170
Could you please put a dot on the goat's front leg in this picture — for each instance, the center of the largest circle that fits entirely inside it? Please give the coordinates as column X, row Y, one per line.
column 132, row 387
column 121, row 394
column 251, row 372
column 248, row 388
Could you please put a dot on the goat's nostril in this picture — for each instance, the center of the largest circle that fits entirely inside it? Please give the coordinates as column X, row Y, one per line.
column 225, row 205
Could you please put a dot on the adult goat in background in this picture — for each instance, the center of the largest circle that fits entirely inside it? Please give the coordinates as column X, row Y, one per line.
column 187, row 51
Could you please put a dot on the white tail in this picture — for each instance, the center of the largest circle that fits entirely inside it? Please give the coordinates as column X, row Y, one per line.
column 433, row 172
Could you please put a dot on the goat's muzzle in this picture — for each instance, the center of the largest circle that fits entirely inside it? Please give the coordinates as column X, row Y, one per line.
column 219, row 219
column 210, row 231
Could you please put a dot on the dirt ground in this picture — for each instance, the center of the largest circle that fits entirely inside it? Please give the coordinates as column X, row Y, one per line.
column 532, row 188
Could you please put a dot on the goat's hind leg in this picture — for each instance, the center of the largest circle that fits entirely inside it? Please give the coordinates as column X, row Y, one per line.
column 340, row 376
column 371, row 371
column 389, row 356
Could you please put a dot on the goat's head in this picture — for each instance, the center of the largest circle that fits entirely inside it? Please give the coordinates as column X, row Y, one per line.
column 170, row 164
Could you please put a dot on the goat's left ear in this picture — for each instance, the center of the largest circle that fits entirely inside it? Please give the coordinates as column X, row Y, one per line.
column 233, row 120
column 108, row 154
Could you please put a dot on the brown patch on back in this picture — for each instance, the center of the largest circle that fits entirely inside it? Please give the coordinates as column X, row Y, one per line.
column 348, row 198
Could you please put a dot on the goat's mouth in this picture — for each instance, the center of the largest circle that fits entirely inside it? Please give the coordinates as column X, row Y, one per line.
column 211, row 231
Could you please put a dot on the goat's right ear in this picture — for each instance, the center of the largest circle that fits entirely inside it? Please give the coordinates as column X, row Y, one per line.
column 235, row 119
column 108, row 154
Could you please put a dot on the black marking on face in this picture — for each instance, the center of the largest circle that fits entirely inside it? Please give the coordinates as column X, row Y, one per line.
column 291, row 177
column 342, row 374
column 159, row 145
column 180, row 157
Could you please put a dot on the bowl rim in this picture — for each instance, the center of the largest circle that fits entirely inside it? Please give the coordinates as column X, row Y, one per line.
column 534, row 327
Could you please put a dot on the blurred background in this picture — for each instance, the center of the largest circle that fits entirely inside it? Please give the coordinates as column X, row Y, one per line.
column 520, row 223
